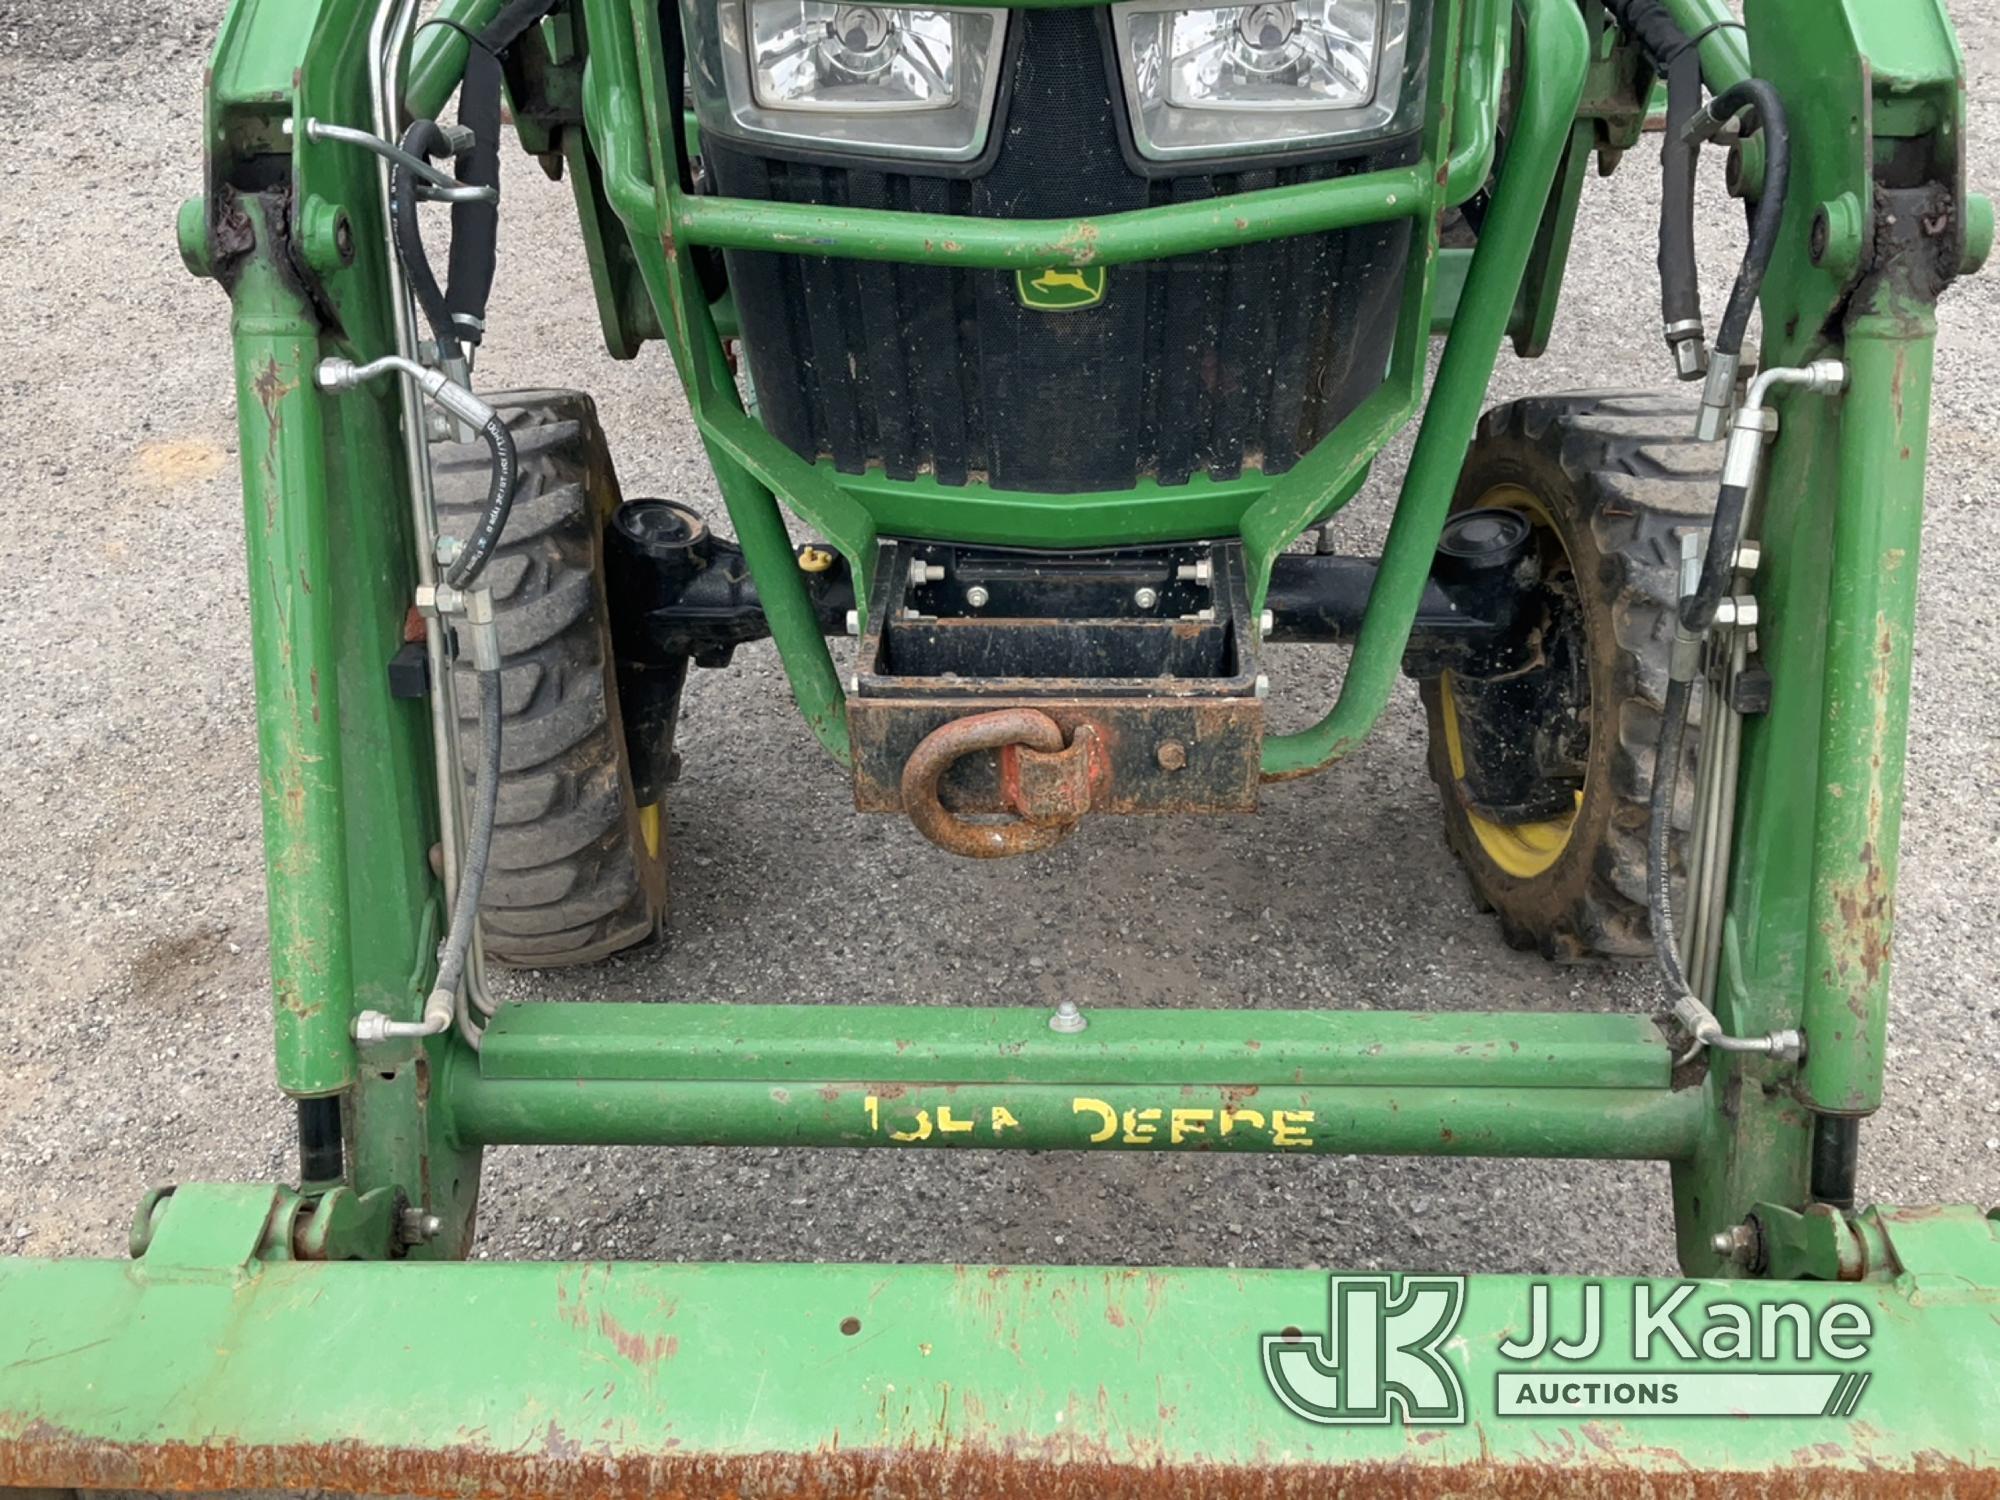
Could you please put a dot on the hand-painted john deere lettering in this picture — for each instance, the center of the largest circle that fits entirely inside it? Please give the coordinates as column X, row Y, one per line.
column 1665, row 675
column 1088, row 1121
column 1054, row 289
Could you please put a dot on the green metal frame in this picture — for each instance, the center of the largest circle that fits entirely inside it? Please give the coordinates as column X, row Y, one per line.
column 629, row 124
column 633, row 1368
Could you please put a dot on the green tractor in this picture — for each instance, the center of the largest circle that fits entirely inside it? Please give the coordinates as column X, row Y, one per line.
column 1027, row 342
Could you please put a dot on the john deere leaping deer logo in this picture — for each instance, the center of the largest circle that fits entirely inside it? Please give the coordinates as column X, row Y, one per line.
column 1060, row 290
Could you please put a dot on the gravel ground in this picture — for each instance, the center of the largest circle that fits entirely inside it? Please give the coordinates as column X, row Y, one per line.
column 133, row 1010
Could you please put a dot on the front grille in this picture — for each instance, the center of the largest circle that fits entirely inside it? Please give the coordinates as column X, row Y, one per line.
column 1210, row 363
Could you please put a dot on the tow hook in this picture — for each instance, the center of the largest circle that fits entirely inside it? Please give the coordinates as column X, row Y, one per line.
column 1047, row 781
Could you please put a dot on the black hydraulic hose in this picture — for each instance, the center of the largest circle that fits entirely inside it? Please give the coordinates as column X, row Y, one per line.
column 475, row 226
column 425, row 139
column 478, row 843
column 1676, row 59
column 1718, row 563
column 1680, row 160
column 1754, row 93
column 500, row 487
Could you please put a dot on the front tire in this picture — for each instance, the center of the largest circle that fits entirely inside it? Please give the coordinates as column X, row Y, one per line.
column 578, row 868
column 1611, row 483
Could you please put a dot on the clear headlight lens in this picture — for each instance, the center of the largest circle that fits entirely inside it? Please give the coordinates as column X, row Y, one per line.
column 810, row 55
column 880, row 79
column 1272, row 76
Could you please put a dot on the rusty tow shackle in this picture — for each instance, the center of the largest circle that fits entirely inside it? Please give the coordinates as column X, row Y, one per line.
column 1043, row 779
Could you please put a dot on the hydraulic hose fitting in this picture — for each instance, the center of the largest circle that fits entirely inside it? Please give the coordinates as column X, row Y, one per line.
column 372, row 1027
column 1752, row 426
column 344, row 375
column 1706, row 1031
column 1688, row 342
column 1718, row 397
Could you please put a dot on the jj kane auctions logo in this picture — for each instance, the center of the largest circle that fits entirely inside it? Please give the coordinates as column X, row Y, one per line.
column 1391, row 1354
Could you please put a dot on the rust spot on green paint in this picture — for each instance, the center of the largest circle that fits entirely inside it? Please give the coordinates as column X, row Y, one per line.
column 271, row 388
column 637, row 1347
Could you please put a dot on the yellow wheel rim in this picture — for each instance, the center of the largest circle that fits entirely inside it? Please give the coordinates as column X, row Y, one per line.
column 649, row 829
column 1522, row 850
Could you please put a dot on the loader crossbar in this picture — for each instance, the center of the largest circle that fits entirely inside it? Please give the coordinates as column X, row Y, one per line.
column 1585, row 1086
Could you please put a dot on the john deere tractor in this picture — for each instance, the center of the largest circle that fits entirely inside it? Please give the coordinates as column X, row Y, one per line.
column 1027, row 342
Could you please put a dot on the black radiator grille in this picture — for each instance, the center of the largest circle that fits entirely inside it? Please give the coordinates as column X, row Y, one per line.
column 1210, row 363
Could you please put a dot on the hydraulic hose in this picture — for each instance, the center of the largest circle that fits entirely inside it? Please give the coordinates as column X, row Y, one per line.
column 443, row 1001
column 505, row 477
column 1754, row 93
column 475, row 225
column 1680, row 277
column 425, row 139
column 1675, row 58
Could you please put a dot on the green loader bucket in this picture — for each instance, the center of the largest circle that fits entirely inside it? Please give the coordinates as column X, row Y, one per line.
column 190, row 1371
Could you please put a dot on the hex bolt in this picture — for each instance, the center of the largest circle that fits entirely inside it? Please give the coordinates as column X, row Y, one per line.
column 448, row 549
column 854, row 622
column 976, row 596
column 1068, row 1019
column 1146, row 598
column 1739, row 613
column 416, row 1227
column 922, row 572
column 1739, row 1245
column 1262, row 686
column 854, row 687
column 1266, row 623
column 1195, row 572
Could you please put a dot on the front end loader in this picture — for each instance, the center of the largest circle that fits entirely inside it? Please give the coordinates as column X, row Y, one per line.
column 1029, row 343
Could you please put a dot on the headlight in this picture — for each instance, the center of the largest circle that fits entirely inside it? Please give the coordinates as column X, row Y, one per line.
column 890, row 80
column 1277, row 76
